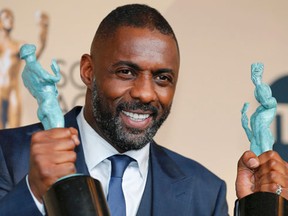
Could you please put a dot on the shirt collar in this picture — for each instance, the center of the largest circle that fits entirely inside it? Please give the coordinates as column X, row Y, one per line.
column 96, row 149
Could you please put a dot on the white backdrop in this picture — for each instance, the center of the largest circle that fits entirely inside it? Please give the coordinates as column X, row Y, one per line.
column 218, row 42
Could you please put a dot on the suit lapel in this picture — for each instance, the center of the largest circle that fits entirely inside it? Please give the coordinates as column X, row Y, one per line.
column 171, row 189
column 70, row 121
column 145, row 207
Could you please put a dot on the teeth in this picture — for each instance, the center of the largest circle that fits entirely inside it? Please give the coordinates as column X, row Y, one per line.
column 135, row 116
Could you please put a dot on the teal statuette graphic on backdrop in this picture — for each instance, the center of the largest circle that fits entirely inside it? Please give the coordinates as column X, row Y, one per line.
column 42, row 85
column 260, row 135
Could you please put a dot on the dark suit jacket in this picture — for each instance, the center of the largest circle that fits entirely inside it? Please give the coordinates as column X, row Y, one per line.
column 176, row 185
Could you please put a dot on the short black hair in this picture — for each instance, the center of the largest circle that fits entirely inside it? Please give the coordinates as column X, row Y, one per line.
column 134, row 15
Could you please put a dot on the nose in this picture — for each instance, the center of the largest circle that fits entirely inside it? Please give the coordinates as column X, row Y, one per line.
column 144, row 89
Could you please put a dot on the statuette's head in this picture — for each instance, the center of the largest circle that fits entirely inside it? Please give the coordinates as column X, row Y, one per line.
column 27, row 50
column 256, row 73
column 6, row 20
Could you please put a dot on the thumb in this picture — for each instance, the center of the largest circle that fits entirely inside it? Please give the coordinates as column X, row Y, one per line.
column 248, row 161
column 245, row 174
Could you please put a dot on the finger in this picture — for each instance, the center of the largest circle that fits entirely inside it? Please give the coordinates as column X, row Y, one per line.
column 65, row 157
column 52, row 173
column 74, row 135
column 272, row 188
column 274, row 166
column 284, row 193
column 269, row 155
column 63, row 144
column 64, row 169
column 59, row 157
column 248, row 161
column 55, row 133
column 73, row 130
column 273, row 177
column 247, row 165
column 53, row 145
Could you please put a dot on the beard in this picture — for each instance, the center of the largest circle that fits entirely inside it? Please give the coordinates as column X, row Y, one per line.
column 111, row 125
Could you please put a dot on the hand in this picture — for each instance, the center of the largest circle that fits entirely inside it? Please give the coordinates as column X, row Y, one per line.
column 263, row 173
column 244, row 118
column 52, row 156
column 42, row 20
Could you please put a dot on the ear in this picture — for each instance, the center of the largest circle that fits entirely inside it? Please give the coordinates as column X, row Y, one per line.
column 86, row 70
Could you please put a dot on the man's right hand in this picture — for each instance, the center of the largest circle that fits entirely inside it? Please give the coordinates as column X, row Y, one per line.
column 52, row 156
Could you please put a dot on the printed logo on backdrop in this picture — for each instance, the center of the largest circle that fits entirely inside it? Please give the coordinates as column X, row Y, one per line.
column 70, row 79
column 280, row 92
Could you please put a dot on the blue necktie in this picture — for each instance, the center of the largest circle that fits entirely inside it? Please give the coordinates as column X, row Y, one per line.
column 115, row 198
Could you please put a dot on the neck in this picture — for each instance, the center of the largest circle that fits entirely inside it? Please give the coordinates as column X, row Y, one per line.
column 4, row 35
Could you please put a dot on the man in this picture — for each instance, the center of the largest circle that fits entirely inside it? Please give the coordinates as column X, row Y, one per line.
column 131, row 75
column 10, row 65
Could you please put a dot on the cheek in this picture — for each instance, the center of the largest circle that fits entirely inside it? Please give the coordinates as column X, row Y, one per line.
column 165, row 96
column 114, row 90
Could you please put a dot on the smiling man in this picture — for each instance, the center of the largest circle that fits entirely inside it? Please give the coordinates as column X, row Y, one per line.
column 131, row 75
column 130, row 93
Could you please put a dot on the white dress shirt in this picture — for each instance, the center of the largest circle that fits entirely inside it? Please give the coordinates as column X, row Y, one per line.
column 97, row 150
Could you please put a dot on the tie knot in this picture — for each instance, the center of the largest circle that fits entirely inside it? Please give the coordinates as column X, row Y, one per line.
column 118, row 165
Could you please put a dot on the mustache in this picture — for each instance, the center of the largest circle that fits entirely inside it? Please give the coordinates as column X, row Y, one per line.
column 137, row 106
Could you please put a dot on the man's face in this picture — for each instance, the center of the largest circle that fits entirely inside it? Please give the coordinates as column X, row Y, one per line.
column 6, row 20
column 135, row 79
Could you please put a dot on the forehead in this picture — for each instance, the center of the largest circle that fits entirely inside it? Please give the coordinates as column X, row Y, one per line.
column 6, row 14
column 140, row 44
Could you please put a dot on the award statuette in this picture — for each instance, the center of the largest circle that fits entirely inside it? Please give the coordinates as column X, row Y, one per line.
column 261, row 140
column 72, row 195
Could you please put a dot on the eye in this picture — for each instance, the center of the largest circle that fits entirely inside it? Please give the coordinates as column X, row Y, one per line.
column 125, row 73
column 163, row 79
